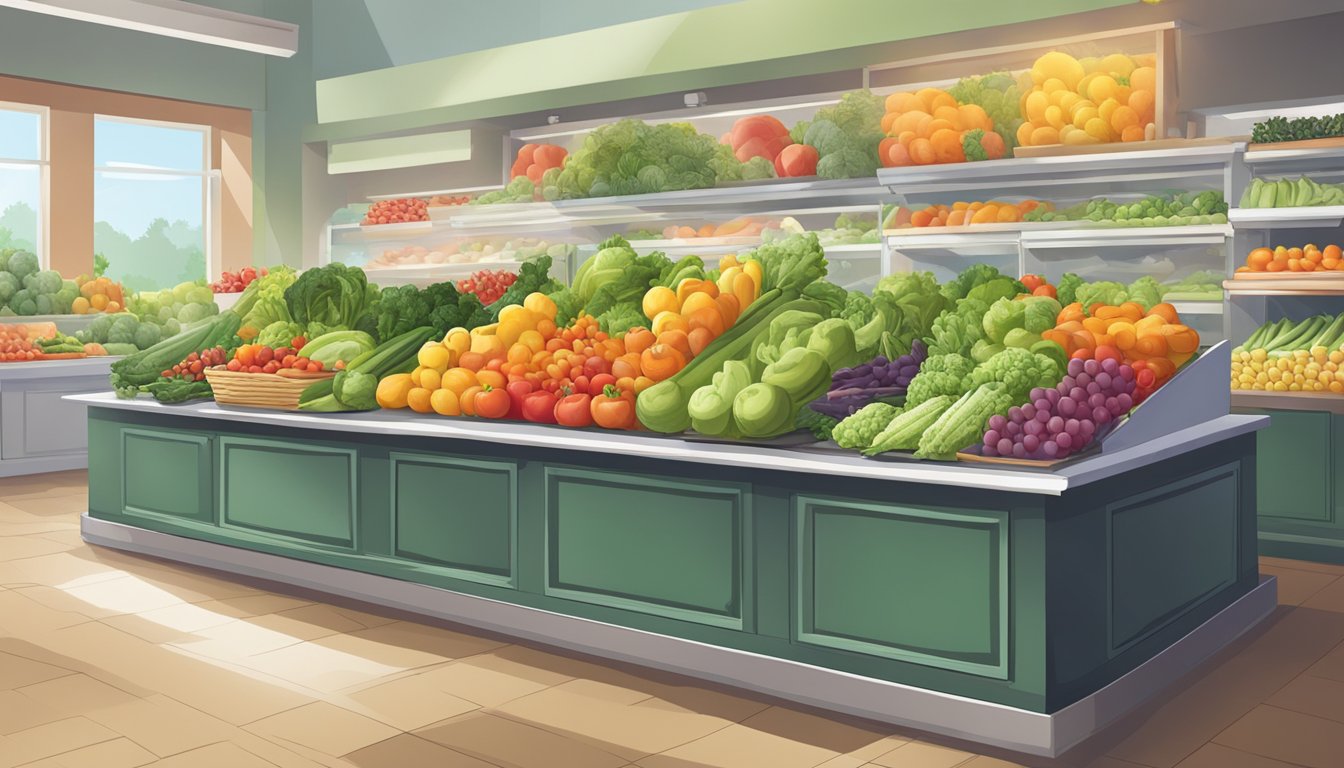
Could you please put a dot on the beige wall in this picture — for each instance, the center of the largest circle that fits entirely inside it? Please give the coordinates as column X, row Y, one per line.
column 71, row 155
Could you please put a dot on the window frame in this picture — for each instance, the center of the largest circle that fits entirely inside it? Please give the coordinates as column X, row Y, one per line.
column 43, row 164
column 208, row 176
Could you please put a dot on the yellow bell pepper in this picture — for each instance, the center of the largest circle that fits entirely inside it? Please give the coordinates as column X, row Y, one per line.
column 726, row 278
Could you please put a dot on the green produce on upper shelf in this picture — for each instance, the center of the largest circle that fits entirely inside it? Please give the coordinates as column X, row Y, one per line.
column 846, row 136
column 1277, row 129
column 1176, row 210
column 1204, row 285
column 1291, row 193
column 1145, row 291
column 631, row 157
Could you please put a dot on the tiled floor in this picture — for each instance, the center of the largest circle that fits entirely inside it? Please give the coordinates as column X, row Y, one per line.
column 114, row 661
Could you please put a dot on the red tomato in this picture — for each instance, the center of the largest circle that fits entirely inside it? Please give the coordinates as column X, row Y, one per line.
column 574, row 410
column 492, row 403
column 518, row 392
column 600, row 382
column 614, row 409
column 540, row 407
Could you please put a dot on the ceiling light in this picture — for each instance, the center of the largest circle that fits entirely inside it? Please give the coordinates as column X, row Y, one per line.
column 174, row 18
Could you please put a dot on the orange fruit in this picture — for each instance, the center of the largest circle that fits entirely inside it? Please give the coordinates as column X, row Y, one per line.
column 418, row 400
column 1333, row 252
column 1259, row 259
column 492, row 378
column 444, row 402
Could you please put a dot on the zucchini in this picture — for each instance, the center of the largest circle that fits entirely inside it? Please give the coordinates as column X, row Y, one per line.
column 396, row 355
column 904, row 431
column 145, row 366
column 662, row 407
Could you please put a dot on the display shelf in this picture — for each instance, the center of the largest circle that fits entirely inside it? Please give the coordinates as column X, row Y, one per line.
column 1333, row 286
column 1104, row 170
column 432, row 193
column 1062, row 234
column 742, row 199
column 1296, row 156
column 1307, row 217
column 1198, row 307
column 828, row 463
column 399, row 232
column 1101, row 236
column 855, row 250
column 1288, row 401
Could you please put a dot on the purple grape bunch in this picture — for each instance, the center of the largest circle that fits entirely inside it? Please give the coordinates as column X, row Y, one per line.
column 1063, row 420
column 853, row 388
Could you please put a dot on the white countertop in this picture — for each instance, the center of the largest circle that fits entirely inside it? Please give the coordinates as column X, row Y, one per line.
column 800, row 459
column 58, row 369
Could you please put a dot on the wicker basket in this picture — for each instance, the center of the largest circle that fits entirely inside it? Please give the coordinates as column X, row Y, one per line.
column 261, row 390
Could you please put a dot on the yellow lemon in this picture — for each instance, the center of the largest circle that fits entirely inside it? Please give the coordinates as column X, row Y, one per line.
column 434, row 356
column 1060, row 66
column 444, row 402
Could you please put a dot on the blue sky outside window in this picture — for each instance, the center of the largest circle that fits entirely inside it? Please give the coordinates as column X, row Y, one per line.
column 149, row 220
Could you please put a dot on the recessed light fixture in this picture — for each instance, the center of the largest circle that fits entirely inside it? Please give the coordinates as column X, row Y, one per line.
column 174, row 18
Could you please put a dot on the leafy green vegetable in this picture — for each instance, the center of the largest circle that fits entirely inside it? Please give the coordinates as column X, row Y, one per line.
column 960, row 286
column 819, row 424
column 534, row 276
column 1067, row 290
column 689, row 267
column 336, row 346
column 957, row 331
column 846, row 136
column 621, row 318
column 335, row 295
column 790, row 264
column 279, row 334
column 828, row 293
column 1101, row 292
column 1276, row 129
column 631, row 157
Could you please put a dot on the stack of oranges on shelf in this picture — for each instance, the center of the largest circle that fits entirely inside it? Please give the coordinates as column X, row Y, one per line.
column 1308, row 258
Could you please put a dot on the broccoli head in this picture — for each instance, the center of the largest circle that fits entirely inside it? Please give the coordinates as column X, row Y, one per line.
column 1019, row 370
column 939, row 375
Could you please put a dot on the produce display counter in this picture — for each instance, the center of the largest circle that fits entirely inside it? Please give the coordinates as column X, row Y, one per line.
column 39, row 430
column 1018, row 607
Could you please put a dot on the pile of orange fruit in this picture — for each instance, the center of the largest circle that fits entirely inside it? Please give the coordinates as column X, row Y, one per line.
column 1308, row 258
column 98, row 295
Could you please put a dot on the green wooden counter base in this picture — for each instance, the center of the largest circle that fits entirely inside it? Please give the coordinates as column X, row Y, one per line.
column 1299, row 493
column 1033, row 601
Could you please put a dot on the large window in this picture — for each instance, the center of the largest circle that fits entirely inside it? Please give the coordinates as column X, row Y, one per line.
column 23, row 171
column 150, row 200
